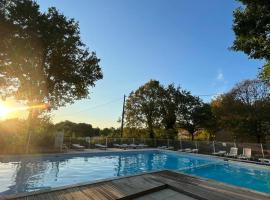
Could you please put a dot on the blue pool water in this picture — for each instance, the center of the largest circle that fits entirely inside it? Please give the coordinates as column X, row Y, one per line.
column 25, row 175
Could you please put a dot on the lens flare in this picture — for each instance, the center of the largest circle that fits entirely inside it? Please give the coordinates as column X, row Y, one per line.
column 3, row 110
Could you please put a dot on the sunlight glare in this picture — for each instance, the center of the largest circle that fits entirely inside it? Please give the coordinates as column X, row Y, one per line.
column 3, row 110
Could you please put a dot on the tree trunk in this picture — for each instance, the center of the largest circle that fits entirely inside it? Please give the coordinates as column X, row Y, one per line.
column 30, row 129
column 151, row 133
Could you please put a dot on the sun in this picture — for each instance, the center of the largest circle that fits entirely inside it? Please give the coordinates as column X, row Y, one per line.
column 4, row 110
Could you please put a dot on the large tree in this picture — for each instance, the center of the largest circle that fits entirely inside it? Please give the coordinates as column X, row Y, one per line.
column 42, row 56
column 142, row 107
column 252, row 27
column 156, row 106
column 171, row 100
column 193, row 114
column 245, row 110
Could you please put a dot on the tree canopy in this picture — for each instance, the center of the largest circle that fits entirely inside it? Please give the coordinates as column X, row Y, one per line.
column 251, row 27
column 77, row 129
column 156, row 106
column 142, row 107
column 42, row 56
column 245, row 110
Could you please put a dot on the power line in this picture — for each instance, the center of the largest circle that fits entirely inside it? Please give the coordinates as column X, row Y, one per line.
column 117, row 99
column 93, row 107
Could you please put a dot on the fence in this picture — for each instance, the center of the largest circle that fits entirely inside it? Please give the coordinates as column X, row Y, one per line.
column 204, row 147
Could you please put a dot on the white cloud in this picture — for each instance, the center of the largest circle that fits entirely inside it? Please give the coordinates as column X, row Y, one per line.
column 219, row 84
column 220, row 76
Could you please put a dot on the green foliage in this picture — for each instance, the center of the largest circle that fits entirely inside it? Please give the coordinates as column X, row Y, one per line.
column 251, row 27
column 135, row 133
column 142, row 108
column 189, row 116
column 203, row 135
column 110, row 132
column 13, row 134
column 245, row 110
column 42, row 57
column 77, row 129
column 156, row 107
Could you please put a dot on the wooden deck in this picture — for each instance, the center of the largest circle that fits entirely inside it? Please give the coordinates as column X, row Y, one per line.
column 151, row 186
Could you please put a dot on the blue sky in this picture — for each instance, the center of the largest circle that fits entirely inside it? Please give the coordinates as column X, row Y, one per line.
column 174, row 41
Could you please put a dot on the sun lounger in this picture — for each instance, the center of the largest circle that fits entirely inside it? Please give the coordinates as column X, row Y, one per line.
column 233, row 152
column 117, row 145
column 77, row 147
column 219, row 153
column 162, row 147
column 100, row 146
column 264, row 160
column 141, row 146
column 180, row 150
column 132, row 146
column 189, row 150
column 123, row 146
column 246, row 154
column 169, row 148
column 194, row 150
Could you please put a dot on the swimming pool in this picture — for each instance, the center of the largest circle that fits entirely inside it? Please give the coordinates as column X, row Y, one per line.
column 31, row 174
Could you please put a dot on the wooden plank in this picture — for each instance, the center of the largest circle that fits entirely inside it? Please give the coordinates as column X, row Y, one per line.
column 206, row 189
column 145, row 192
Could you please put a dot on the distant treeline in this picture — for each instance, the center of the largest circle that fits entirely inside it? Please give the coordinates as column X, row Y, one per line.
column 241, row 114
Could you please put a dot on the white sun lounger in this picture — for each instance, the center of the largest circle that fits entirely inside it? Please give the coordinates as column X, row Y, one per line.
column 132, row 146
column 233, row 152
column 162, row 147
column 189, row 150
column 117, row 145
column 194, row 150
column 100, row 146
column 219, row 153
column 264, row 160
column 77, row 146
column 141, row 146
column 246, row 154
column 123, row 146
column 169, row 148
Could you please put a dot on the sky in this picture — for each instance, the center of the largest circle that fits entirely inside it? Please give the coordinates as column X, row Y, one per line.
column 185, row 42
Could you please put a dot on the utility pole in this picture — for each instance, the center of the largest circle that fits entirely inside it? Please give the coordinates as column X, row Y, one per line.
column 123, row 115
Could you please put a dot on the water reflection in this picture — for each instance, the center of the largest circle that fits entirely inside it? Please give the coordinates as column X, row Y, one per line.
column 39, row 173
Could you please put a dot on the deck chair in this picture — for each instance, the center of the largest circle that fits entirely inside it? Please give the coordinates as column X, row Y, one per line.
column 162, row 147
column 246, row 154
column 100, row 146
column 169, row 148
column 132, row 146
column 264, row 160
column 189, row 150
column 141, row 146
column 233, row 152
column 77, row 147
column 117, row 145
column 219, row 153
column 194, row 150
column 123, row 146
